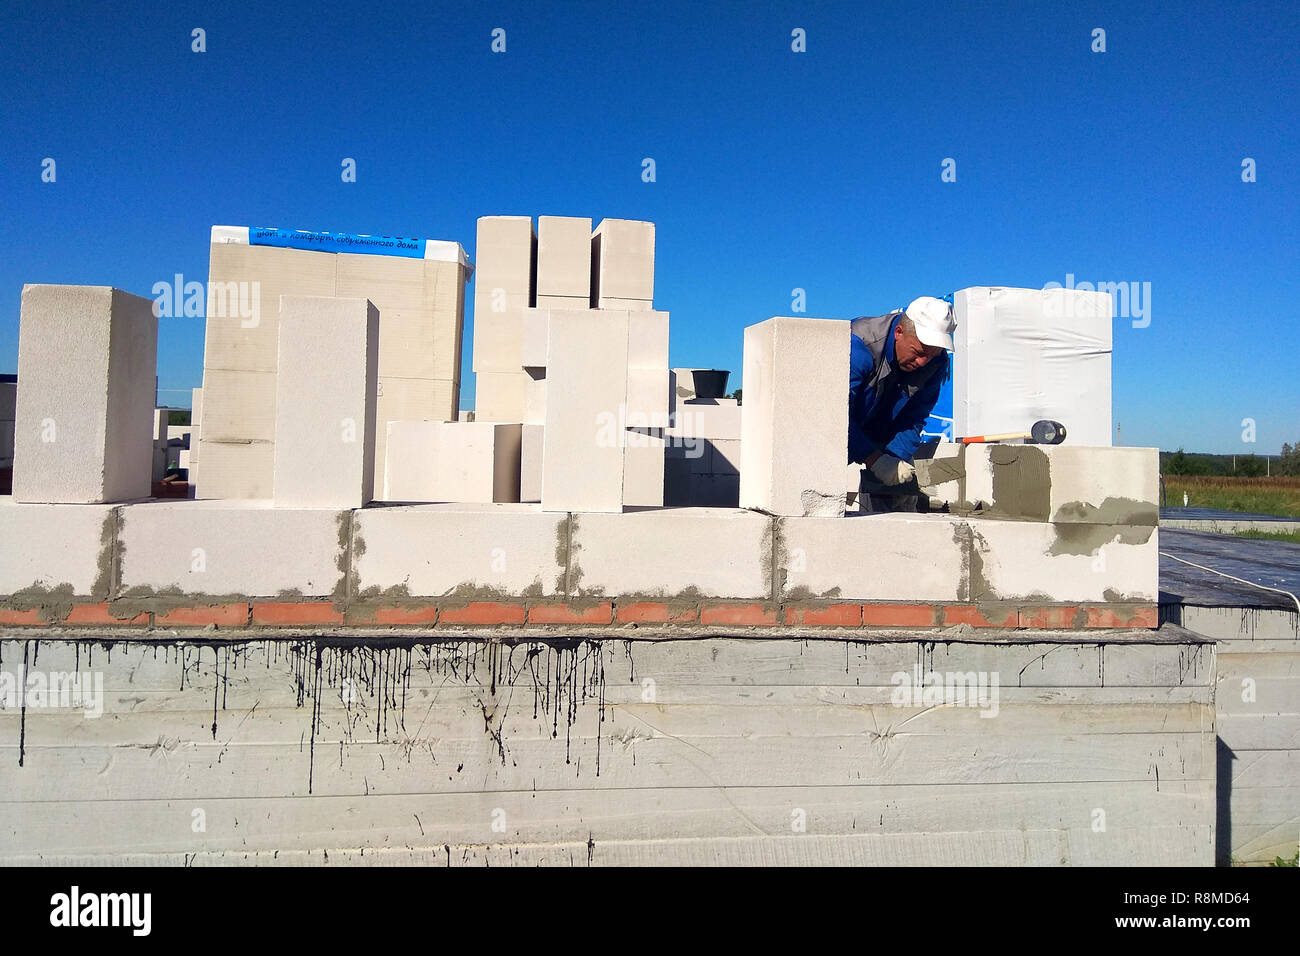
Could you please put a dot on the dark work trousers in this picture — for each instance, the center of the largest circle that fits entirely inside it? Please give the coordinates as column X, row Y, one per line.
column 874, row 496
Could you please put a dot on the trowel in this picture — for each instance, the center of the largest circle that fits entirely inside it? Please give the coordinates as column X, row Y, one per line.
column 1043, row 432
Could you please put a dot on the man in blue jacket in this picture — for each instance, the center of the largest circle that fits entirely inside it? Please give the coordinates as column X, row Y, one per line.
column 897, row 365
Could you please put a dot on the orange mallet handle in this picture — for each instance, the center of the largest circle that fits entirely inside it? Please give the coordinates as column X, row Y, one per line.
column 1007, row 436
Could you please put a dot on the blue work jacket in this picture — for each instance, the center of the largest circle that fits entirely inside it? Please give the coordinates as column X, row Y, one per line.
column 891, row 422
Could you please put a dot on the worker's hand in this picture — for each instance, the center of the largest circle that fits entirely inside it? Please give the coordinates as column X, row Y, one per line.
column 892, row 471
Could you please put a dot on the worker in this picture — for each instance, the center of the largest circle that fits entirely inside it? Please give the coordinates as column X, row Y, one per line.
column 897, row 364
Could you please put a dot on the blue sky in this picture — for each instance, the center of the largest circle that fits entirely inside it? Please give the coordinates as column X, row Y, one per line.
column 775, row 170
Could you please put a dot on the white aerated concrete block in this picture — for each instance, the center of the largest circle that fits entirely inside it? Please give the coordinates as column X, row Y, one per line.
column 941, row 472
column 627, row 305
column 795, row 427
column 421, row 310
column 1063, row 561
column 480, row 550
column 410, row 399
column 535, row 396
column 886, row 557
column 623, row 264
column 237, row 469
column 53, row 546
column 196, row 407
column 326, row 402
column 160, row 425
column 1096, row 485
column 564, row 258
column 643, row 471
column 241, row 404
column 245, row 283
column 683, row 383
column 536, row 322
column 1102, row 484
column 714, row 553
column 724, row 457
column 452, row 461
column 501, row 396
column 230, row 547
column 498, row 339
column 505, row 261
column 648, row 394
column 647, row 340
column 530, row 463
column 84, row 416
column 586, row 368
column 714, row 418
column 563, row 302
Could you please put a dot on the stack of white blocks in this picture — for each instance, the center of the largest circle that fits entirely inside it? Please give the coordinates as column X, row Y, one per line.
column 504, row 278
column 85, row 415
column 555, row 314
column 421, row 307
column 703, row 457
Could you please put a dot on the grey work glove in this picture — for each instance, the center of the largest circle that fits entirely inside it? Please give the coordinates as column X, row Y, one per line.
column 892, row 471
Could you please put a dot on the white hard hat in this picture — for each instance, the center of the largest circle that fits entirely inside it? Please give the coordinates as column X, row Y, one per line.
column 933, row 320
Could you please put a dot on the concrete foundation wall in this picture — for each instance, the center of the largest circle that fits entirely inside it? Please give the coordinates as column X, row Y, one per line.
column 1258, row 721
column 575, row 752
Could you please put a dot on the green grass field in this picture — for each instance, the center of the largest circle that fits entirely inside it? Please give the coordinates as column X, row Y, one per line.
column 1269, row 496
column 1291, row 536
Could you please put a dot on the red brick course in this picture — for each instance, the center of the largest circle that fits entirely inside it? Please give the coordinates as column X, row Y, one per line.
column 1124, row 615
column 718, row 613
column 978, row 616
column 898, row 615
column 29, row 618
column 654, row 612
column 740, row 615
column 1049, row 616
column 425, row 614
column 295, row 613
column 102, row 614
column 602, row 613
column 824, row 615
column 483, row 612
column 222, row 615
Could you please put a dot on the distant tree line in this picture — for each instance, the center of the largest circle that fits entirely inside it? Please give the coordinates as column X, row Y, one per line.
column 1247, row 466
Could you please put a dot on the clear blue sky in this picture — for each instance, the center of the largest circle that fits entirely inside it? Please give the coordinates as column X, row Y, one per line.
column 775, row 169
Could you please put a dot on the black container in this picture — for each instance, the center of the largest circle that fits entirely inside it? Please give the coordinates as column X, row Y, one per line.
column 710, row 383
